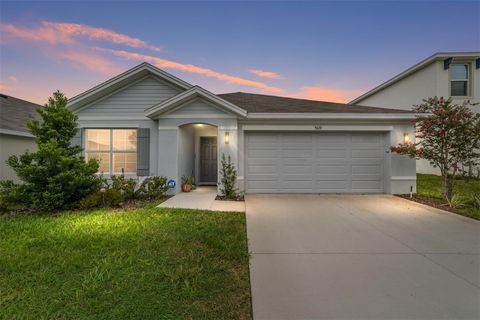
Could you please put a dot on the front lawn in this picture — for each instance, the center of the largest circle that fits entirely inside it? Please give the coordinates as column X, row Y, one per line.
column 145, row 263
column 430, row 186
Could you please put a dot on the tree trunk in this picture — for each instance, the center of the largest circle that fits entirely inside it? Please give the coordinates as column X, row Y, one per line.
column 446, row 186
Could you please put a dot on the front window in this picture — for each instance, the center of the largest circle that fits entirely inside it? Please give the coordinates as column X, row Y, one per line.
column 459, row 79
column 116, row 149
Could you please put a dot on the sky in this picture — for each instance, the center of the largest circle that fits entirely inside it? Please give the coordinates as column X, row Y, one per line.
column 321, row 50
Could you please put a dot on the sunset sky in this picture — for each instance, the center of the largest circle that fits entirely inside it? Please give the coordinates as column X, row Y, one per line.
column 319, row 50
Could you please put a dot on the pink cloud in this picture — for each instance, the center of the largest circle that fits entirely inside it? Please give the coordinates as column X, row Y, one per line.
column 65, row 33
column 266, row 74
column 5, row 88
column 92, row 61
column 328, row 94
column 168, row 64
column 12, row 78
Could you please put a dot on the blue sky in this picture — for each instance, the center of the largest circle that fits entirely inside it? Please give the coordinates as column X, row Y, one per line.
column 312, row 49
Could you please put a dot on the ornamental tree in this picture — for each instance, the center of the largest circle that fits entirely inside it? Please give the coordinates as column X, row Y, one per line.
column 447, row 135
column 55, row 176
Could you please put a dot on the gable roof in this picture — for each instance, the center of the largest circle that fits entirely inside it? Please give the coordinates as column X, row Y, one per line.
column 123, row 79
column 15, row 114
column 190, row 94
column 435, row 57
column 259, row 103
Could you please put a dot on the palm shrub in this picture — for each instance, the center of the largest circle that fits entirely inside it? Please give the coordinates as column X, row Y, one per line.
column 229, row 178
column 56, row 176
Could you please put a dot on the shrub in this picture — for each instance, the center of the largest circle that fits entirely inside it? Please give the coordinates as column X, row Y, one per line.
column 124, row 186
column 229, row 178
column 56, row 176
column 93, row 200
column 153, row 187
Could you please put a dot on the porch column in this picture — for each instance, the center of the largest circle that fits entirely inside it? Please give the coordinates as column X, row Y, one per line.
column 168, row 154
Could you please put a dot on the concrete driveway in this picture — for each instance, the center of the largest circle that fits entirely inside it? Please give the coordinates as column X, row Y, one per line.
column 362, row 257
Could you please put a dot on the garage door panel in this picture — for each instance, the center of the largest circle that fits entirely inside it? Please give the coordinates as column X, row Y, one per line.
column 331, row 153
column 331, row 168
column 366, row 168
column 297, row 169
column 366, row 186
column 304, row 162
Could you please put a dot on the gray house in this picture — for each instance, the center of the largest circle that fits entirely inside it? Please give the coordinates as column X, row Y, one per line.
column 148, row 122
column 15, row 137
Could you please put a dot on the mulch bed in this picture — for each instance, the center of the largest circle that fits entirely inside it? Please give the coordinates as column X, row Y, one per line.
column 432, row 202
column 222, row 198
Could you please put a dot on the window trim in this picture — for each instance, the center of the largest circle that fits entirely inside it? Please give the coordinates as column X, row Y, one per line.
column 469, row 80
column 110, row 151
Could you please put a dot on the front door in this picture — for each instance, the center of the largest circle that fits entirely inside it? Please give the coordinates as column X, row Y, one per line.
column 208, row 159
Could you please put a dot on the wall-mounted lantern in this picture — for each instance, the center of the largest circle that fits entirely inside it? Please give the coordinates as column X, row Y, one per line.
column 227, row 137
column 406, row 137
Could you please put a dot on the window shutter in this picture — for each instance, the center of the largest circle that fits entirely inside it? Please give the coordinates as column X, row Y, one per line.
column 143, row 151
column 77, row 140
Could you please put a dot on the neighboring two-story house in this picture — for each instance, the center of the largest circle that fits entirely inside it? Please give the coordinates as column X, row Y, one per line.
column 445, row 74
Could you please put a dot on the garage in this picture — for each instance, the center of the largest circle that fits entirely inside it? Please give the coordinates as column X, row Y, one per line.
column 315, row 162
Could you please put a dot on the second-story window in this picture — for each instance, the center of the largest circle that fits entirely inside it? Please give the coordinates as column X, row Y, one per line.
column 459, row 80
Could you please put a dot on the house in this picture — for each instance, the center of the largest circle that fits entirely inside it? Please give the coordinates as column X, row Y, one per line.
column 148, row 122
column 15, row 137
column 448, row 74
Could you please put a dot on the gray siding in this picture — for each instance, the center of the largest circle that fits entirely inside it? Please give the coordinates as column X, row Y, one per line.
column 197, row 106
column 134, row 99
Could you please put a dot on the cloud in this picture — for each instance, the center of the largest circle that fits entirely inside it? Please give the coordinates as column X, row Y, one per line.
column 4, row 87
column 266, row 74
column 91, row 61
column 65, row 33
column 168, row 64
column 331, row 94
column 12, row 78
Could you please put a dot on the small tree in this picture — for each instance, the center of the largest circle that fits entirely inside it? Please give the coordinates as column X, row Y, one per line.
column 56, row 176
column 447, row 135
column 229, row 178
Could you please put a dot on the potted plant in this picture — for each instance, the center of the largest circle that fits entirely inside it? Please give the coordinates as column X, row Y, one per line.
column 187, row 183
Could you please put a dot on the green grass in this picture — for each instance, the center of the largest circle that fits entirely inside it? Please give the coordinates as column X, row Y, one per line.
column 146, row 263
column 431, row 186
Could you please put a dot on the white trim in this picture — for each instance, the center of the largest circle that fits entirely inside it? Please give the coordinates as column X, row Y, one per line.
column 414, row 68
column 315, row 127
column 400, row 178
column 17, row 133
column 124, row 76
column 227, row 128
column 351, row 116
column 108, row 126
column 103, row 118
column 167, row 128
column 199, row 116
column 196, row 91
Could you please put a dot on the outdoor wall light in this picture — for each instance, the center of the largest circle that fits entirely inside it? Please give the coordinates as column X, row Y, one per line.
column 227, row 137
column 406, row 137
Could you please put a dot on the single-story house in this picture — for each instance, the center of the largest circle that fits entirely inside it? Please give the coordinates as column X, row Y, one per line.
column 146, row 121
column 15, row 137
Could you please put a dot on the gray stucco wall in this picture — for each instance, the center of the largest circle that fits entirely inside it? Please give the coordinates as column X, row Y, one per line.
column 13, row 145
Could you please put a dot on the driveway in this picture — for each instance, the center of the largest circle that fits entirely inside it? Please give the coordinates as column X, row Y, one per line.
column 362, row 257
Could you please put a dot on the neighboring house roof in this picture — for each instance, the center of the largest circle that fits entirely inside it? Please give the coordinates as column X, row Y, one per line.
column 192, row 93
column 435, row 57
column 138, row 72
column 15, row 114
column 259, row 103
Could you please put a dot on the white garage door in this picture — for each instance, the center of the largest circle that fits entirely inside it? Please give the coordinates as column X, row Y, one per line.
column 324, row 162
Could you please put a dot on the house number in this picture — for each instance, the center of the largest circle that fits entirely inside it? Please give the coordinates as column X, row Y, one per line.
column 318, row 127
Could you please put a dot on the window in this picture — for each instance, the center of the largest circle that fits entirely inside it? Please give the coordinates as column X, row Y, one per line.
column 116, row 149
column 459, row 79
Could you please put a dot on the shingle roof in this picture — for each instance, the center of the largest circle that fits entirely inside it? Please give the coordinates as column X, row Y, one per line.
column 16, row 113
column 259, row 103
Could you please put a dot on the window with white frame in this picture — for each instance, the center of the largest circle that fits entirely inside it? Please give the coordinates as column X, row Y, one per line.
column 116, row 149
column 459, row 79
